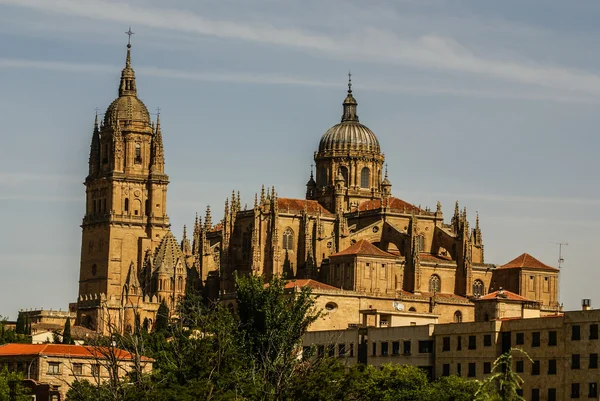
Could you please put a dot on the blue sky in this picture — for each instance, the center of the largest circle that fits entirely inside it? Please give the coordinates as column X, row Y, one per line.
column 493, row 104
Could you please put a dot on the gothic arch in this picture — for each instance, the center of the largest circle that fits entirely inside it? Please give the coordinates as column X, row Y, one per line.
column 478, row 288
column 288, row 239
column 435, row 283
column 458, row 317
column 365, row 178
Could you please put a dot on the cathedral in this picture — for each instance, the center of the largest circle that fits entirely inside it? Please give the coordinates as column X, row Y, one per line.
column 361, row 250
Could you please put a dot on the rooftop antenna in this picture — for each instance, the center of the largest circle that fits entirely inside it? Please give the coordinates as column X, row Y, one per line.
column 561, row 260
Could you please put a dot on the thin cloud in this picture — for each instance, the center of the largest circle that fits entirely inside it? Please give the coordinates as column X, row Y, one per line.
column 372, row 44
column 277, row 79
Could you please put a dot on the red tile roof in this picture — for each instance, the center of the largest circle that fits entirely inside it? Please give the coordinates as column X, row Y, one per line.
column 78, row 351
column 314, row 284
column 526, row 261
column 394, row 204
column 365, row 248
column 504, row 294
column 297, row 206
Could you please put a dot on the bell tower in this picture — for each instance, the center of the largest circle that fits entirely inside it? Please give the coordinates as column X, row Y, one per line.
column 126, row 199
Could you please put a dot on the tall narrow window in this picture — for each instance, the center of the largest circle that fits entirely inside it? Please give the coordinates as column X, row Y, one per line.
column 344, row 171
column 126, row 204
column 138, row 153
column 322, row 176
column 421, row 243
column 365, row 178
column 288, row 239
column 478, row 288
column 434, row 283
column 458, row 317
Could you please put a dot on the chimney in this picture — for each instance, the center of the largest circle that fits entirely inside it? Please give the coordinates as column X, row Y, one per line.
column 586, row 304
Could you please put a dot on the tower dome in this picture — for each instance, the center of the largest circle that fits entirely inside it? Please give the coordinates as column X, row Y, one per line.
column 349, row 134
column 127, row 107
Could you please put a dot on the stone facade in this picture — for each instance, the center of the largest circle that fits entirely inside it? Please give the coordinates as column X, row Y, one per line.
column 374, row 250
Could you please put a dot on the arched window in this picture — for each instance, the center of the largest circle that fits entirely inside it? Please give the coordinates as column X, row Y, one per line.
column 138, row 153
column 344, row 171
column 434, row 283
column 172, row 286
column 478, row 288
column 160, row 285
column 421, row 243
column 412, row 309
column 457, row 316
column 365, row 178
column 180, row 284
column 288, row 239
column 126, row 204
column 322, row 176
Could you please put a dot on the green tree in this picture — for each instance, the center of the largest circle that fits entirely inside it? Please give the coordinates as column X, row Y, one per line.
column 272, row 323
column 67, row 339
column 162, row 318
column 20, row 327
column 11, row 378
column 503, row 383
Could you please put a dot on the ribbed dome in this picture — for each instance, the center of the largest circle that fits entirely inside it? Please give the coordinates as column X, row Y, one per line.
column 126, row 108
column 349, row 135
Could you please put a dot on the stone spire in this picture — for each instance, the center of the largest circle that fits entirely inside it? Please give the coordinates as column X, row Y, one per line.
column 185, row 243
column 94, row 162
column 127, row 86
column 196, row 239
column 207, row 219
column 157, row 153
column 386, row 185
column 350, row 104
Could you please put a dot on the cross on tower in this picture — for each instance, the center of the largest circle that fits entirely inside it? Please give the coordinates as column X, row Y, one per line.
column 349, row 81
column 129, row 33
column 158, row 111
column 96, row 110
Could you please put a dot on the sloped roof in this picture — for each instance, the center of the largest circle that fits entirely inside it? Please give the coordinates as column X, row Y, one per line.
column 63, row 350
column 314, row 284
column 526, row 261
column 364, row 248
column 394, row 204
column 427, row 257
column 297, row 206
column 167, row 254
column 504, row 294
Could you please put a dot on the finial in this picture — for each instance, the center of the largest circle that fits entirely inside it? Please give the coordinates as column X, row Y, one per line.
column 349, row 82
column 385, row 171
column 439, row 206
column 129, row 33
column 184, row 232
column 96, row 119
column 311, row 170
column 255, row 199
column 477, row 220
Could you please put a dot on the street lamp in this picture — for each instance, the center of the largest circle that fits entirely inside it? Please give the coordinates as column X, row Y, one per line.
column 31, row 363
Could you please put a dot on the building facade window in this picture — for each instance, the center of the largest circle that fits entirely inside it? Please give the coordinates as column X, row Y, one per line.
column 551, row 394
column 77, row 368
column 472, row 369
column 535, row 368
column 472, row 342
column 593, row 361
column 593, row 393
column 574, row 390
column 425, row 347
column 384, row 348
column 126, row 206
column 487, row 340
column 54, row 368
column 458, row 317
column 575, row 361
column 478, row 288
column 421, row 243
column 138, row 153
column 395, row 347
column 434, row 283
column 535, row 339
column 575, row 333
column 535, row 394
column 288, row 239
column 519, row 366
column 365, row 178
column 344, row 171
column 487, row 368
column 552, row 366
column 459, row 343
column 406, row 347
column 552, row 338
column 446, row 369
column 594, row 331
column 520, row 339
column 446, row 344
